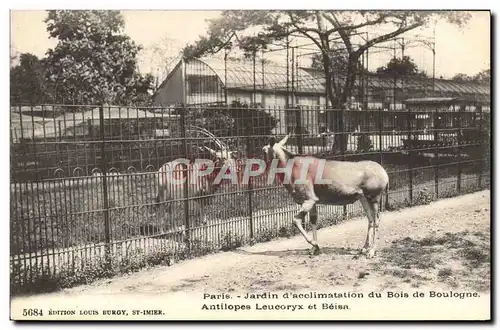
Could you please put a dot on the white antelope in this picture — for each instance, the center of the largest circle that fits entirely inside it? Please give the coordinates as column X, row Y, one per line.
column 343, row 183
column 202, row 181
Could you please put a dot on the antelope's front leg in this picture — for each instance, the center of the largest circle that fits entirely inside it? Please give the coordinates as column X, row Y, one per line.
column 313, row 216
column 307, row 206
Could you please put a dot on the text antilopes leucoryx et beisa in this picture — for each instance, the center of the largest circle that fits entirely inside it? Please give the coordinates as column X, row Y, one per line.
column 311, row 180
column 203, row 178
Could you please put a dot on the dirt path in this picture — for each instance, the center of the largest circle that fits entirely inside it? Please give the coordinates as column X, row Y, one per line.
column 441, row 246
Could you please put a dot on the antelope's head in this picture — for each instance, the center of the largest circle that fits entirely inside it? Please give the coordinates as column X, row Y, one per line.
column 221, row 157
column 270, row 150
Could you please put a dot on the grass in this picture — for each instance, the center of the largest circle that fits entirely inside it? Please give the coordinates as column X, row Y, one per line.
column 457, row 259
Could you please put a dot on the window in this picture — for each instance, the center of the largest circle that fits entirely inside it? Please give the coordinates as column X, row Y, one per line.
column 203, row 84
column 194, row 84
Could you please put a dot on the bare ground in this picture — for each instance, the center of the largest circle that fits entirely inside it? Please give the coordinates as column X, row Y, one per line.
column 444, row 245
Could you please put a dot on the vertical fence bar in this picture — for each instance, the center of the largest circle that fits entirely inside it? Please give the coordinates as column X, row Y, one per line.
column 383, row 204
column 436, row 152
column 250, row 191
column 459, row 152
column 254, row 94
column 380, row 132
column 185, row 173
column 226, row 53
column 299, row 130
column 483, row 153
column 343, row 149
column 293, row 77
column 104, row 166
column 410, row 154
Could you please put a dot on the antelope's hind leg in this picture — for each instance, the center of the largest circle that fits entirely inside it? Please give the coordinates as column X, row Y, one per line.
column 313, row 216
column 376, row 222
column 370, row 234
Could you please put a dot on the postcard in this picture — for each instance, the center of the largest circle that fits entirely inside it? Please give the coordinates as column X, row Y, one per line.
column 250, row 165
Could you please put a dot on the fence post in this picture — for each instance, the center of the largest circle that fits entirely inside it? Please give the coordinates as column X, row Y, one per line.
column 483, row 153
column 385, row 203
column 249, row 190
column 410, row 154
column 299, row 130
column 343, row 150
column 343, row 134
column 185, row 173
column 459, row 153
column 104, row 166
column 436, row 152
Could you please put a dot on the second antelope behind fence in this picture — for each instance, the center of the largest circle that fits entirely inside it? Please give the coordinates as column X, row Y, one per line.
column 330, row 182
column 202, row 181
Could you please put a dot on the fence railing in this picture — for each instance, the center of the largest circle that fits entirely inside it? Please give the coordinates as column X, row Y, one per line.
column 84, row 184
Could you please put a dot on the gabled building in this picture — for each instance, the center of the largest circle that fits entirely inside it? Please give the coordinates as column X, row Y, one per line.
column 213, row 80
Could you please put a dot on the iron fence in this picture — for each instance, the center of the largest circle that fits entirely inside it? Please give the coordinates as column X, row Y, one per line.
column 84, row 183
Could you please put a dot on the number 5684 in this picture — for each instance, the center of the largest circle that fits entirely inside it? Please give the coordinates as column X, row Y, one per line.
column 32, row 312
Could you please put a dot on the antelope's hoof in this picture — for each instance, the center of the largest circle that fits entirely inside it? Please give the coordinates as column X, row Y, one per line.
column 315, row 250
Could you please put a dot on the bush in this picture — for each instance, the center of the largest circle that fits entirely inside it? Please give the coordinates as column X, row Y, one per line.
column 86, row 271
column 231, row 241
column 238, row 119
column 424, row 197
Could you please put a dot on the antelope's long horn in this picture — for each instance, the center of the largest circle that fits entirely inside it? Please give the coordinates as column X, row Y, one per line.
column 219, row 143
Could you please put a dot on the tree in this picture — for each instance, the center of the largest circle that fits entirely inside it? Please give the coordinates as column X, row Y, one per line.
column 400, row 67
column 164, row 55
column 339, row 63
column 483, row 77
column 324, row 29
column 462, row 77
column 94, row 61
column 339, row 58
column 27, row 81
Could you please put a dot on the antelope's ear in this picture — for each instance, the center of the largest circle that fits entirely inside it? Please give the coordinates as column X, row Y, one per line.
column 283, row 141
column 272, row 141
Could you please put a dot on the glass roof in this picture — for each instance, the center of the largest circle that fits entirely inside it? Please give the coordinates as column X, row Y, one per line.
column 441, row 85
column 270, row 76
column 267, row 76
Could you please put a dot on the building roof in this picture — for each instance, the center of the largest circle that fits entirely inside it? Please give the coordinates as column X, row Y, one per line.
column 431, row 100
column 70, row 120
column 241, row 74
column 440, row 85
column 268, row 76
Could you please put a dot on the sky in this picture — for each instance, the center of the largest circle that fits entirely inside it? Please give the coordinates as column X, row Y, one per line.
column 465, row 50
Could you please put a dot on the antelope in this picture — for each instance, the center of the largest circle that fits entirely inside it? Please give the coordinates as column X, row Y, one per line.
column 200, row 187
column 343, row 183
